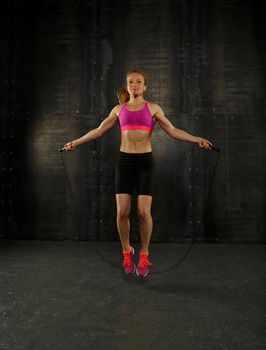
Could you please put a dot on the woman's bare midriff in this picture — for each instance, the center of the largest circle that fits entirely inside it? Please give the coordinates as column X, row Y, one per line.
column 135, row 141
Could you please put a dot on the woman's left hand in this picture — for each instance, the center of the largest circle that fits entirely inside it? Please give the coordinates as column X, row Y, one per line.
column 203, row 143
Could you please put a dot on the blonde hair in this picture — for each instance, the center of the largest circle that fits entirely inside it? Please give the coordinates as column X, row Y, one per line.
column 122, row 94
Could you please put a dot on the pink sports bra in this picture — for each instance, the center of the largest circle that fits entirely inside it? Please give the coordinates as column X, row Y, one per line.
column 136, row 120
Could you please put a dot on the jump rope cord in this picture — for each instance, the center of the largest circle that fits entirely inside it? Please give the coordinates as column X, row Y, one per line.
column 200, row 224
column 78, row 216
column 193, row 239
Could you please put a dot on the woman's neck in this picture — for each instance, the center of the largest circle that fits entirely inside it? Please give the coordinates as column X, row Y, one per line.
column 136, row 100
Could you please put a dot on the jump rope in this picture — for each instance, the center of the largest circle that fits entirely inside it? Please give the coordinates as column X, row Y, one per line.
column 193, row 239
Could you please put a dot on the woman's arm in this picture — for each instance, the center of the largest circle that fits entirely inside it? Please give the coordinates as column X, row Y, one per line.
column 178, row 134
column 106, row 124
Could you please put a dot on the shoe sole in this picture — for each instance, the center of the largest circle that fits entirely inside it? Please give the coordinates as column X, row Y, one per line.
column 141, row 276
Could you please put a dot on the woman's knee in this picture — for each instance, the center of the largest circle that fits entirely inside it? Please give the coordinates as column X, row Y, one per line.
column 144, row 214
column 123, row 213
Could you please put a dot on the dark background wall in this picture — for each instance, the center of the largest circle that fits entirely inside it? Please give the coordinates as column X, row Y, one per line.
column 61, row 65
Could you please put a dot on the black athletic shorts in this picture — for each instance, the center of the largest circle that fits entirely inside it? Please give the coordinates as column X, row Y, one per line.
column 134, row 171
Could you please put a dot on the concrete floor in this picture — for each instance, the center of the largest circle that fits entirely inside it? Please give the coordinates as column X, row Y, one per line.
column 61, row 295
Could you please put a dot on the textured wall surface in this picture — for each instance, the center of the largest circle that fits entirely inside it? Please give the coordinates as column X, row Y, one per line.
column 62, row 62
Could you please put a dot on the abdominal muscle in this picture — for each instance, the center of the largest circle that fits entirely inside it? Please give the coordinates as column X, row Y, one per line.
column 135, row 141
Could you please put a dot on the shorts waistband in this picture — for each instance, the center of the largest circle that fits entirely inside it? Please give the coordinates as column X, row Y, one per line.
column 135, row 157
column 135, row 154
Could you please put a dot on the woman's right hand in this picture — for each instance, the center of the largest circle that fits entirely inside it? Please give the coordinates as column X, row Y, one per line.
column 70, row 146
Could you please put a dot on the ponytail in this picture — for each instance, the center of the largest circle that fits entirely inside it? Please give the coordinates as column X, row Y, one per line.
column 123, row 95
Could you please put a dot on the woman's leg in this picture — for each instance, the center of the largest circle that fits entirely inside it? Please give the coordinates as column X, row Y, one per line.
column 123, row 204
column 145, row 221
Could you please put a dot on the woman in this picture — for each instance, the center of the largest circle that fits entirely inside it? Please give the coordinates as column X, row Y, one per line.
column 136, row 117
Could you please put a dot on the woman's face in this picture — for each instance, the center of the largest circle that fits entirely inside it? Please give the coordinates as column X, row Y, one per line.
column 135, row 84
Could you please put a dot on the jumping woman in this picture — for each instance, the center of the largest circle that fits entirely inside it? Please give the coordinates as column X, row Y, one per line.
column 135, row 167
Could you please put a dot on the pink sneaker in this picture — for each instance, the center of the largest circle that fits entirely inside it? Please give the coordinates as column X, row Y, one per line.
column 143, row 265
column 128, row 263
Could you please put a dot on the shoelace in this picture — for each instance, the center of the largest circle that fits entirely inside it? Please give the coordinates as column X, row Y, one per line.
column 144, row 261
column 127, row 259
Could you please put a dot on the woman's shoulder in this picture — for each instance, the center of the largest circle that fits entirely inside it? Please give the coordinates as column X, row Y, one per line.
column 152, row 104
column 153, row 107
column 118, row 108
